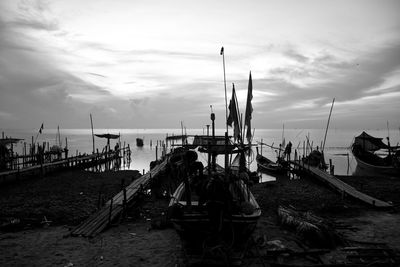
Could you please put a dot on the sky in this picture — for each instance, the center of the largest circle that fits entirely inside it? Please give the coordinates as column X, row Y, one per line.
column 155, row 63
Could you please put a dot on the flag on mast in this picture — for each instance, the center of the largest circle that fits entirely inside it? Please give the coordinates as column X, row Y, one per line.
column 222, row 51
column 249, row 109
column 41, row 128
column 234, row 115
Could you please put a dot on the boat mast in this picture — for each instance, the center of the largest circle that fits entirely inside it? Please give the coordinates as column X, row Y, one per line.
column 214, row 157
column 226, row 101
column 226, row 115
column 327, row 125
column 91, row 124
column 388, row 138
column 58, row 136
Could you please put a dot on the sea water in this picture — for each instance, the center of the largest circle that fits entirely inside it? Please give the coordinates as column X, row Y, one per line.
column 337, row 143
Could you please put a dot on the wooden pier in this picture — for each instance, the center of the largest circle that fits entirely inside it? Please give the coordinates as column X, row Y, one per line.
column 98, row 221
column 84, row 161
column 339, row 185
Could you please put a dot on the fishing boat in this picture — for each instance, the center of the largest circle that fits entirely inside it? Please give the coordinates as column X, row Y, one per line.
column 208, row 204
column 375, row 157
column 264, row 164
column 213, row 205
column 139, row 142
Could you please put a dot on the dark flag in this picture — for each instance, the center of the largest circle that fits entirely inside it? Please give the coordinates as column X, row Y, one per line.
column 222, row 51
column 249, row 109
column 234, row 115
column 41, row 128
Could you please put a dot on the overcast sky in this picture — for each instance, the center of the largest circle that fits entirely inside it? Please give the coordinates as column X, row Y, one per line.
column 154, row 63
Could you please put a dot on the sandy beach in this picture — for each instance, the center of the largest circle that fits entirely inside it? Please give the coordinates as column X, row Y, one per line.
column 142, row 238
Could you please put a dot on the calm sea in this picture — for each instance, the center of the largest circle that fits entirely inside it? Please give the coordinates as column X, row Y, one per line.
column 336, row 146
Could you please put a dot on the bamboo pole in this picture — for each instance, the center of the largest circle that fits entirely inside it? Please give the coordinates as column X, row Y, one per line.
column 91, row 124
column 327, row 125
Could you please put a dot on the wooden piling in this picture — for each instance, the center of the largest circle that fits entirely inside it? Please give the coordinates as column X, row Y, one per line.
column 111, row 207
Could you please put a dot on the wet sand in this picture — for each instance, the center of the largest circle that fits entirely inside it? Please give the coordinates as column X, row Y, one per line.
column 143, row 239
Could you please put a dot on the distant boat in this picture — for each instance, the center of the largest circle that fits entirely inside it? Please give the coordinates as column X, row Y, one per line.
column 375, row 157
column 139, row 142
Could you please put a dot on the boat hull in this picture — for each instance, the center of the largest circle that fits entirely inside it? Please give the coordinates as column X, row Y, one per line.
column 266, row 165
column 367, row 169
column 194, row 224
column 370, row 164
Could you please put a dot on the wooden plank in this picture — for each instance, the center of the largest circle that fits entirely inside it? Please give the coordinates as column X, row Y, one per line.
column 99, row 220
column 341, row 186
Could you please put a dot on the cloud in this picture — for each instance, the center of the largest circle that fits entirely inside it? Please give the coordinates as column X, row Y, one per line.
column 295, row 55
column 97, row 75
column 5, row 115
column 363, row 86
column 33, row 15
column 134, row 103
column 154, row 70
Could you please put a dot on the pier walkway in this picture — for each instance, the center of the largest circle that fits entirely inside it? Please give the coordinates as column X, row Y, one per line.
column 339, row 185
column 84, row 161
column 98, row 221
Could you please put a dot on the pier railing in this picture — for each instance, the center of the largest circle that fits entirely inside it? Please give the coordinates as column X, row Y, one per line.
column 41, row 166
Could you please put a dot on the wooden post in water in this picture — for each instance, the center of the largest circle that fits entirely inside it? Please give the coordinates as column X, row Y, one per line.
column 32, row 151
column 24, row 158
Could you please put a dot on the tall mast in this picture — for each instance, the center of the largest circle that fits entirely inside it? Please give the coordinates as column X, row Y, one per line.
column 91, row 124
column 226, row 115
column 226, row 101
column 327, row 125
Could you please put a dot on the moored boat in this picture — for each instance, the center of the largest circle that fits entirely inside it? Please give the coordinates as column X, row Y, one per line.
column 264, row 164
column 375, row 157
column 139, row 142
column 217, row 211
column 213, row 205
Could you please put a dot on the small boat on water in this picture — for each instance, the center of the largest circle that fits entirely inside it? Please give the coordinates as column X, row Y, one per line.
column 139, row 142
column 264, row 164
column 375, row 157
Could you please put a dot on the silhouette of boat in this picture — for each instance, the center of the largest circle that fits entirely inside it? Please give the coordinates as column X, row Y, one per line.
column 266, row 165
column 375, row 157
column 139, row 142
column 213, row 205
